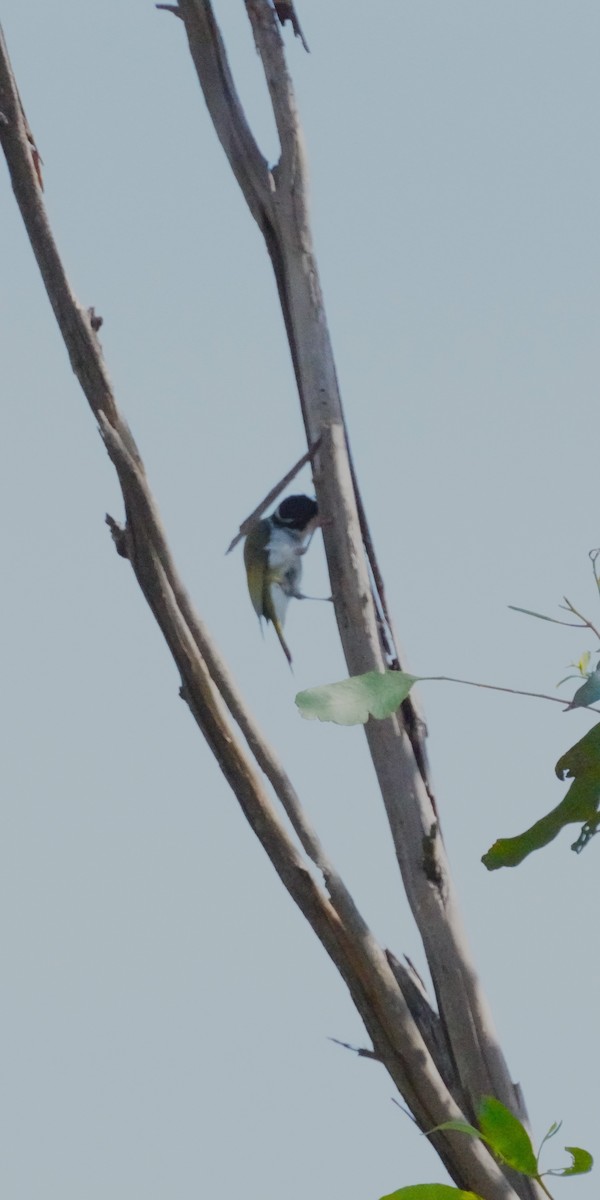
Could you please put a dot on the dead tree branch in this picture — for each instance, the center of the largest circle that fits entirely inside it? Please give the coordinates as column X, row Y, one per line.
column 279, row 204
column 404, row 1031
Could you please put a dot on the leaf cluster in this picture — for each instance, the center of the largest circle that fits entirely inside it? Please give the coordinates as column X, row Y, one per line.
column 510, row 1144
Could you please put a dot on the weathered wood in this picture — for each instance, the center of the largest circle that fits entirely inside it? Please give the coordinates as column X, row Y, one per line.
column 405, row 1034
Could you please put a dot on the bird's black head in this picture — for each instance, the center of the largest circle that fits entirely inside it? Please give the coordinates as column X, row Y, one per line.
column 296, row 512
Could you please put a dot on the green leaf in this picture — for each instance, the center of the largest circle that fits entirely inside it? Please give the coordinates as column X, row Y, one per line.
column 506, row 1136
column 553, row 1130
column 503, row 1133
column 583, row 758
column 458, row 1127
column 431, row 1191
column 582, row 764
column 582, row 1162
column 353, row 700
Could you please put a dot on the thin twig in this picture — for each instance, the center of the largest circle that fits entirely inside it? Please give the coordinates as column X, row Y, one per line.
column 587, row 624
column 528, row 612
column 492, row 687
column 246, row 525
column 403, row 1109
column 593, row 556
column 362, row 1053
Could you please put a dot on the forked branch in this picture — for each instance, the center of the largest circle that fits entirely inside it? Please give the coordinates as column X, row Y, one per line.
column 388, row 1003
column 396, row 745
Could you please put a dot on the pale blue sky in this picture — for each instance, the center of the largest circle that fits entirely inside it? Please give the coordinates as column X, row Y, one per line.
column 165, row 1008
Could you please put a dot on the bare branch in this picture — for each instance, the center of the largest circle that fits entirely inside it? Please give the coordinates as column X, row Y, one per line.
column 429, row 1024
column 586, row 624
column 467, row 1020
column 278, row 202
column 224, row 105
column 336, row 921
column 73, row 320
column 269, row 43
column 286, row 12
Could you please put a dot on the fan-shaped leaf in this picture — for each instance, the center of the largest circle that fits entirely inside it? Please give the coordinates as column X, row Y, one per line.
column 352, row 701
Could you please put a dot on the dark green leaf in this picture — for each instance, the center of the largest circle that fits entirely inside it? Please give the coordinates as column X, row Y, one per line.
column 353, row 700
column 583, row 758
column 506, row 1136
column 582, row 764
column 582, row 1162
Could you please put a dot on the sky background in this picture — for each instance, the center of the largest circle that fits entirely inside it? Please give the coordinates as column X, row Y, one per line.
column 165, row 1008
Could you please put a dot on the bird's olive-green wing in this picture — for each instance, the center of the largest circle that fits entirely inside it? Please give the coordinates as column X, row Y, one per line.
column 255, row 560
column 260, row 579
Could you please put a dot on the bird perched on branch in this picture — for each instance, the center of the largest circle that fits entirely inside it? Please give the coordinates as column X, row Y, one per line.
column 273, row 553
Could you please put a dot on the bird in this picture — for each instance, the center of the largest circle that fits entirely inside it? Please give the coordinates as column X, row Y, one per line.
column 273, row 552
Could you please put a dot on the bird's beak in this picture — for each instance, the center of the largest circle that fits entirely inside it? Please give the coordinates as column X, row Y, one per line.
column 317, row 523
column 320, row 521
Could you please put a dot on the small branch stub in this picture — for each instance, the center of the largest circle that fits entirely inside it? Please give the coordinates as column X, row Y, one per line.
column 96, row 321
column 286, row 12
column 119, row 536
